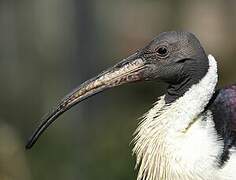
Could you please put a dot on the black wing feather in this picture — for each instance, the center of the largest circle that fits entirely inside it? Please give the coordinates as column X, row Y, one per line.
column 223, row 107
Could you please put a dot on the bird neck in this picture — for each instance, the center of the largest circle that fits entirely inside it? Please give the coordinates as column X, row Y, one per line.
column 194, row 71
column 157, row 134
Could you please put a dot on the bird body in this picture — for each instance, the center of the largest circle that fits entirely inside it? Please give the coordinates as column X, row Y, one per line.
column 178, row 141
column 190, row 133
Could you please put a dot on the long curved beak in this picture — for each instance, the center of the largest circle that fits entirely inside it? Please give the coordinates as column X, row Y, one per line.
column 132, row 69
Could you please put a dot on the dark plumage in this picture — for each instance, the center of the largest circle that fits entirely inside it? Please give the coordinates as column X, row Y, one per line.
column 223, row 108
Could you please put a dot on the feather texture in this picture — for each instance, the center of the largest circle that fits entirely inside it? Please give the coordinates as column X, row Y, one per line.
column 178, row 141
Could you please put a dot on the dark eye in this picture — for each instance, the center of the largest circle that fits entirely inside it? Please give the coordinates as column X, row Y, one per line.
column 162, row 51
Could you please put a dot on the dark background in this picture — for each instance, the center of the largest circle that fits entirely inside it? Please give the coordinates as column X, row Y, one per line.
column 48, row 47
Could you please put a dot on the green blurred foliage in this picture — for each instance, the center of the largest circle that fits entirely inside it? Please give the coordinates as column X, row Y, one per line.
column 49, row 47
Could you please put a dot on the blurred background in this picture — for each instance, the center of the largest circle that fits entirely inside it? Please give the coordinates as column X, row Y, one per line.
column 48, row 47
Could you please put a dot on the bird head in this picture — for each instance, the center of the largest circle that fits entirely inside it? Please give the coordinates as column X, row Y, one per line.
column 174, row 57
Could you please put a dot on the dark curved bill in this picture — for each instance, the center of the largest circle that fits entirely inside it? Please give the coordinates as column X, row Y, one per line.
column 129, row 70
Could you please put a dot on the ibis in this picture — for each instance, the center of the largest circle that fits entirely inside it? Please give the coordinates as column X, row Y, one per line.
column 190, row 132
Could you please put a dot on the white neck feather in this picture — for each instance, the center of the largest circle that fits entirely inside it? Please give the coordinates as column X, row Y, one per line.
column 163, row 124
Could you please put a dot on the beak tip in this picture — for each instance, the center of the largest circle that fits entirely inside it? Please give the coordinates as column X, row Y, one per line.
column 29, row 144
column 27, row 147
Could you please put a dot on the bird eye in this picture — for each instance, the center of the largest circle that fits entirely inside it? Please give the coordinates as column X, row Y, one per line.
column 162, row 51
